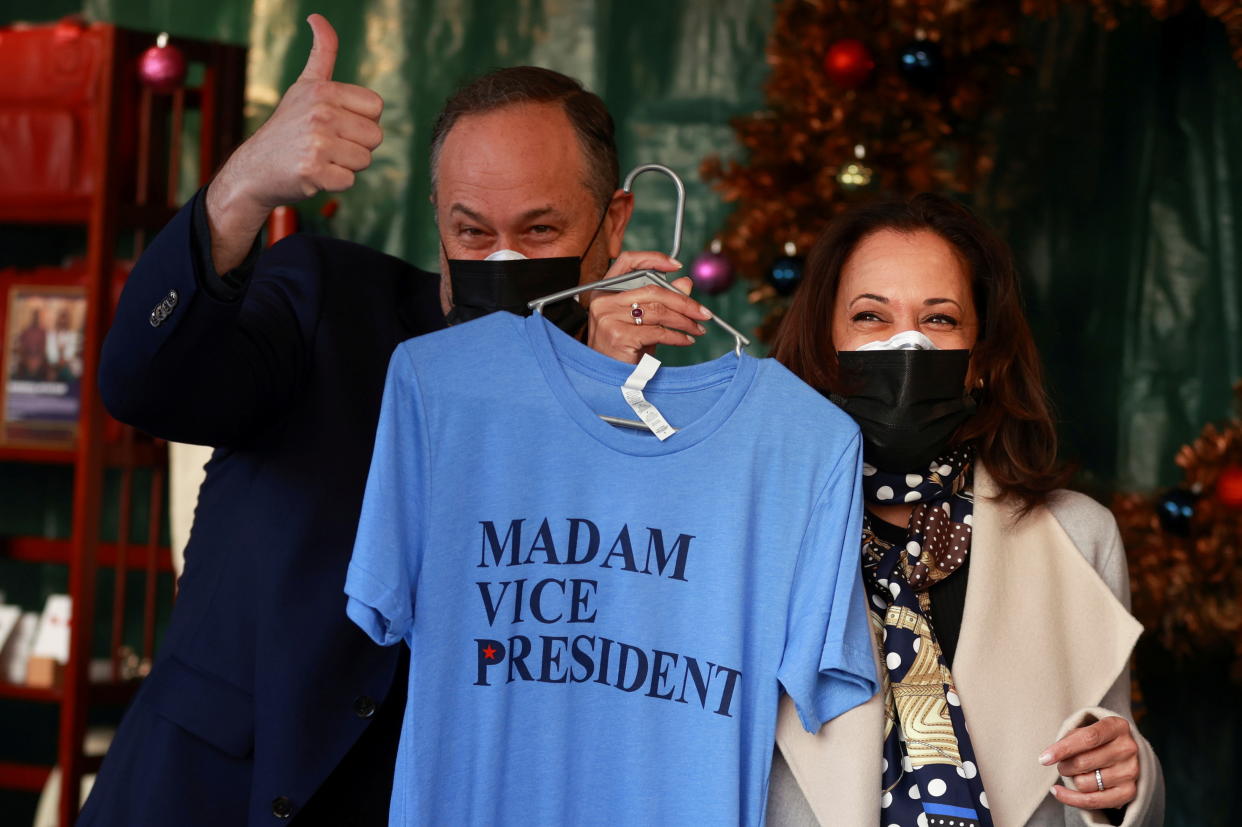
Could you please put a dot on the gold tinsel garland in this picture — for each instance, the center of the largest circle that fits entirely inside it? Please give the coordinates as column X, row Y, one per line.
column 1187, row 587
column 787, row 188
column 914, row 140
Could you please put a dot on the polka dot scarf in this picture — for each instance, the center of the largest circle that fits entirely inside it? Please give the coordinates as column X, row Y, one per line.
column 930, row 775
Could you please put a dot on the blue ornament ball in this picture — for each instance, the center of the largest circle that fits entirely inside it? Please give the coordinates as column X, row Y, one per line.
column 921, row 64
column 785, row 274
column 1176, row 509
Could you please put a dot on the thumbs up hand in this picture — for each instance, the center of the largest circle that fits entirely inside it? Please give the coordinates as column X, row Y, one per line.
column 320, row 136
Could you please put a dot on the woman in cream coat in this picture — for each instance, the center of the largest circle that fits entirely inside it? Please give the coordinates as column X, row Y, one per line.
column 1008, row 702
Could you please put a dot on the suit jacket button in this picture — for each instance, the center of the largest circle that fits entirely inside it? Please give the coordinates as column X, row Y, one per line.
column 171, row 299
column 364, row 707
column 156, row 320
column 282, row 807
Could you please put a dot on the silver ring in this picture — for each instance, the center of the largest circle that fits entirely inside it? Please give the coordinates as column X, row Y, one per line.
column 637, row 313
column 1099, row 780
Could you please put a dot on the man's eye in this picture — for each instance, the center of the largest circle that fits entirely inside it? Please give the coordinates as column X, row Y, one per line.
column 472, row 232
column 541, row 229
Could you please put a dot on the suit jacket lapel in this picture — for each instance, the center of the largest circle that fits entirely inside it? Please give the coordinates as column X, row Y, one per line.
column 1042, row 637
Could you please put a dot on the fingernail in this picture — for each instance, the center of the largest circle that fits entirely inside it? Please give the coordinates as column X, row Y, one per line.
column 675, row 261
column 702, row 329
column 704, row 313
column 689, row 339
column 1045, row 758
column 1053, row 790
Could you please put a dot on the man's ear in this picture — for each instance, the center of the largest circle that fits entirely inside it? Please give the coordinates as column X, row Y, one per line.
column 620, row 210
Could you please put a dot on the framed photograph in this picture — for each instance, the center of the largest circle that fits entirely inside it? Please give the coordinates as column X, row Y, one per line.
column 44, row 333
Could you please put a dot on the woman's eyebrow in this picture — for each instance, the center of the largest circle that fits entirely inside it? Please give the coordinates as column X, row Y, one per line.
column 871, row 296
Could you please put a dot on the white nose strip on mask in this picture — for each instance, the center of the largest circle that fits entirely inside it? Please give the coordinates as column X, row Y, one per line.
column 505, row 255
column 905, row 340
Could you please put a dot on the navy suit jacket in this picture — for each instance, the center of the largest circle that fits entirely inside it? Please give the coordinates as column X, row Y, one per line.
column 259, row 659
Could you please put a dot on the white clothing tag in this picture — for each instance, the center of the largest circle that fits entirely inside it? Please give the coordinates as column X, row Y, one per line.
column 632, row 390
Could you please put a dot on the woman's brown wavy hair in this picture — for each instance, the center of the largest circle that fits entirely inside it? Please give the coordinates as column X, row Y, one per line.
column 1013, row 429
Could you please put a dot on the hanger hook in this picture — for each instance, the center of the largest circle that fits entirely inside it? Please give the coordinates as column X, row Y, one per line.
column 681, row 198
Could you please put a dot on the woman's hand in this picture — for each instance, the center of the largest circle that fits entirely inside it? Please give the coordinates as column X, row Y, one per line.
column 1107, row 746
column 667, row 318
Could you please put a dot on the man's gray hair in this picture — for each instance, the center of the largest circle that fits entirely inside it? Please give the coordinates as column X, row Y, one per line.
column 531, row 84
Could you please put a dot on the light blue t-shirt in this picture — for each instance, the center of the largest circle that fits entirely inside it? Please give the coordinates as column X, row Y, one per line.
column 600, row 623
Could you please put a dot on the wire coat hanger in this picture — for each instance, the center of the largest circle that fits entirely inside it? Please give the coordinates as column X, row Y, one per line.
column 642, row 278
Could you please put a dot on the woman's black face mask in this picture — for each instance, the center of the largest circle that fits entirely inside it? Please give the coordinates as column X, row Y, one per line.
column 908, row 403
column 481, row 287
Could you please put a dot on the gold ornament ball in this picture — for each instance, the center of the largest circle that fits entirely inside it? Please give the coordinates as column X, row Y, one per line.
column 854, row 175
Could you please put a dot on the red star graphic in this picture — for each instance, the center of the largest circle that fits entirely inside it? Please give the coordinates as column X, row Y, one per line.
column 489, row 653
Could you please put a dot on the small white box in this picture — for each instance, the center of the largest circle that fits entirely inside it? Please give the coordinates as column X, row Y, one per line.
column 16, row 651
column 52, row 639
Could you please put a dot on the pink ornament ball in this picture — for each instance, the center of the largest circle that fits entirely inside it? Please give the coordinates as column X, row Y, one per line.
column 712, row 273
column 162, row 67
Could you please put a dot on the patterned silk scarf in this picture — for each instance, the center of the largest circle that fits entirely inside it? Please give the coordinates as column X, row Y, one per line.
column 930, row 777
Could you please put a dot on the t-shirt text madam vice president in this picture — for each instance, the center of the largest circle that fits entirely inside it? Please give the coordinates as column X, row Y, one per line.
column 662, row 675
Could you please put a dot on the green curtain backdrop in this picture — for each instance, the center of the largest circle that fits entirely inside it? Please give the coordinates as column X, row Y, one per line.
column 1118, row 183
column 1117, row 173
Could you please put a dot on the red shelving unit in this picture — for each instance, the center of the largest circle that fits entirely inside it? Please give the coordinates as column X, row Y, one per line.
column 125, row 180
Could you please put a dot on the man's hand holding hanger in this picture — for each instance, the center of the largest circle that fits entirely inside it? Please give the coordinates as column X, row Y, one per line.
column 619, row 329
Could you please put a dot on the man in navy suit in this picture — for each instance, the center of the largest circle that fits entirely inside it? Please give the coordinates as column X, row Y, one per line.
column 266, row 703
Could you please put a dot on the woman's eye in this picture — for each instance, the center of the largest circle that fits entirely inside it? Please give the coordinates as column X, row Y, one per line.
column 941, row 319
column 866, row 316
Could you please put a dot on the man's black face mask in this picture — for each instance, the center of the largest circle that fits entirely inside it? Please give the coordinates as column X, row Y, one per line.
column 908, row 403
column 483, row 286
